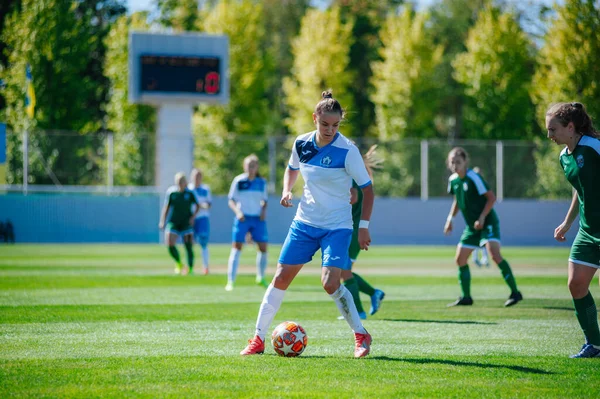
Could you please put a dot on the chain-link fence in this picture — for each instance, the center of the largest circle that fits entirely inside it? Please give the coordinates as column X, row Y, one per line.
column 410, row 167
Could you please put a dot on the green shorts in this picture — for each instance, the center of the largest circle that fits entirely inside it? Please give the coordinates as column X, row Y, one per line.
column 354, row 249
column 181, row 229
column 585, row 250
column 472, row 238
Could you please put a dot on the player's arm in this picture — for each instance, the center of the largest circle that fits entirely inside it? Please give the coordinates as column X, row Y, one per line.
column 196, row 210
column 233, row 206
column 163, row 215
column 208, row 203
column 490, row 198
column 364, row 237
column 453, row 212
column 289, row 178
column 561, row 230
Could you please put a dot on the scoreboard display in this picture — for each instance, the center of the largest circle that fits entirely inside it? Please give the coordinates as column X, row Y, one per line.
column 180, row 74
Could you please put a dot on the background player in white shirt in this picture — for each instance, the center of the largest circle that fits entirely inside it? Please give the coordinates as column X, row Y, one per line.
column 201, row 223
column 328, row 162
column 248, row 201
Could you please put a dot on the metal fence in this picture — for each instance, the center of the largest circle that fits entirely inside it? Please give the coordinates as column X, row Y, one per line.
column 124, row 163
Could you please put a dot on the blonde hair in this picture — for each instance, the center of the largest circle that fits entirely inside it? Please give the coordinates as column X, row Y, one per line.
column 179, row 176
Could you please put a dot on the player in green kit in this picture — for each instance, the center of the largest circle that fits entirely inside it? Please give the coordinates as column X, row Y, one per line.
column 179, row 200
column 476, row 201
column 569, row 124
column 352, row 281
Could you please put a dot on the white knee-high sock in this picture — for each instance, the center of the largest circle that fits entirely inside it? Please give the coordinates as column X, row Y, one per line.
column 261, row 264
column 268, row 309
column 232, row 265
column 345, row 303
column 205, row 257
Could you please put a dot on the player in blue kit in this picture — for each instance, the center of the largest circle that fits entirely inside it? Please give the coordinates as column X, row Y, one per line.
column 248, row 201
column 328, row 162
column 202, row 222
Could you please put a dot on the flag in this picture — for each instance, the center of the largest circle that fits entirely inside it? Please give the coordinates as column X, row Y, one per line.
column 29, row 93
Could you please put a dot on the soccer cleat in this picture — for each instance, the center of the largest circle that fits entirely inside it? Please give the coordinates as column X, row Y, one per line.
column 229, row 286
column 256, row 346
column 586, row 351
column 362, row 345
column 513, row 299
column 376, row 299
column 178, row 268
column 362, row 315
column 205, row 271
column 462, row 301
column 262, row 281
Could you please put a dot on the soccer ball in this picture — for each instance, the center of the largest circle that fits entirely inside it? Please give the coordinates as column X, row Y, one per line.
column 289, row 339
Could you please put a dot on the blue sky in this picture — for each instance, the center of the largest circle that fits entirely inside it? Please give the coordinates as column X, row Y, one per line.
column 138, row 5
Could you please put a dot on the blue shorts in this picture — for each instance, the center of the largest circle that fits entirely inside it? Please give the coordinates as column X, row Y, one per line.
column 252, row 224
column 202, row 229
column 303, row 241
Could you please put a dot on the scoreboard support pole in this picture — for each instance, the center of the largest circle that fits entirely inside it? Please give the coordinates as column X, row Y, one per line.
column 174, row 143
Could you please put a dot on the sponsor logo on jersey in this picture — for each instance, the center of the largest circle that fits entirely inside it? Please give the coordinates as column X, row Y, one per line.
column 328, row 257
column 326, row 161
column 465, row 186
column 580, row 161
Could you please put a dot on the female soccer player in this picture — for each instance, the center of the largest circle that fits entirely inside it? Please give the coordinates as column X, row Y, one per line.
column 475, row 200
column 328, row 162
column 248, row 201
column 179, row 200
column 570, row 125
column 202, row 223
column 352, row 281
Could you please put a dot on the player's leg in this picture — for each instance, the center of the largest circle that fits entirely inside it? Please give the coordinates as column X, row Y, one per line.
column 203, row 236
column 491, row 239
column 188, row 242
column 260, row 237
column 362, row 286
column 237, row 235
column 350, row 284
column 171, row 236
column 584, row 260
column 469, row 241
column 298, row 249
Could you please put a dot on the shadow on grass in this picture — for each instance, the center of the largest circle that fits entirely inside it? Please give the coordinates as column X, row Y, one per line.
column 559, row 308
column 466, row 364
column 441, row 321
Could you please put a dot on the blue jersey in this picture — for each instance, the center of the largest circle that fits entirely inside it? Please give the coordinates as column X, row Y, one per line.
column 202, row 196
column 328, row 173
column 249, row 195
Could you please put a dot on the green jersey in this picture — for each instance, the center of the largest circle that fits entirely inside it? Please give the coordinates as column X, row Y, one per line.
column 357, row 206
column 582, row 169
column 180, row 203
column 469, row 193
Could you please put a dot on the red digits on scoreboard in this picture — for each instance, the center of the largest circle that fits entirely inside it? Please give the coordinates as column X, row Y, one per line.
column 212, row 82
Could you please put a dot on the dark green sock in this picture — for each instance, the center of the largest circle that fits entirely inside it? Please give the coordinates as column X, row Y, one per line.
column 363, row 286
column 508, row 276
column 464, row 278
column 352, row 286
column 190, row 254
column 587, row 315
column 174, row 253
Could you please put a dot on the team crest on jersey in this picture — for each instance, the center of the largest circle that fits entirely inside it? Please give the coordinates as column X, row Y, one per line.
column 465, row 186
column 186, row 196
column 326, row 161
column 580, row 161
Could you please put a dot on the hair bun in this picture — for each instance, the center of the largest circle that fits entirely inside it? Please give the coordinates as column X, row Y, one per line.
column 327, row 94
column 577, row 105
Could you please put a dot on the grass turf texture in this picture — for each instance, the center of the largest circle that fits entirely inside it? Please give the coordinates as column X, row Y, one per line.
column 112, row 321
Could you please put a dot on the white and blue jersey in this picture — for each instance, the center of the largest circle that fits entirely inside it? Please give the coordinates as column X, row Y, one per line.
column 203, row 195
column 328, row 173
column 249, row 195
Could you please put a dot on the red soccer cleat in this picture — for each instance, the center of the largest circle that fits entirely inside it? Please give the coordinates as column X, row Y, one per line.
column 256, row 346
column 363, row 344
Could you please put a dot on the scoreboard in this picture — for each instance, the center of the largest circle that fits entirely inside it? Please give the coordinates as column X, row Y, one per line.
column 180, row 74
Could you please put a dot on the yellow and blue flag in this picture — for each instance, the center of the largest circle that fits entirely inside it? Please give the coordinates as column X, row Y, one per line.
column 29, row 93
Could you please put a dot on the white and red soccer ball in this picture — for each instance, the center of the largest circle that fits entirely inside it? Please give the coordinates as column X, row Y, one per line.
column 289, row 339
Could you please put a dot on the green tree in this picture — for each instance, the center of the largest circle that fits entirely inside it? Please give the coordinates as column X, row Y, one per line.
column 181, row 15
column 321, row 61
column 567, row 71
column 57, row 42
column 406, row 98
column 250, row 115
column 133, row 125
column 496, row 72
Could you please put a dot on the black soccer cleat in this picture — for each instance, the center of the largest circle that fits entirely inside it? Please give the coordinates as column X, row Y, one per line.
column 462, row 301
column 513, row 299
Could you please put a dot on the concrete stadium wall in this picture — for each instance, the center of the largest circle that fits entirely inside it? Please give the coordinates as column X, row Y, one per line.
column 94, row 218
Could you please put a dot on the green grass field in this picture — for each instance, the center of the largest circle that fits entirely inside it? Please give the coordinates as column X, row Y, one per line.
column 112, row 321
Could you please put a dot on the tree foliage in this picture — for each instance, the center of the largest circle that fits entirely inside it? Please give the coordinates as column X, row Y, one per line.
column 320, row 62
column 496, row 72
column 181, row 15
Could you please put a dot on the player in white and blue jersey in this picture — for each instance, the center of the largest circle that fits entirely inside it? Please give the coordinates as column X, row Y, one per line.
column 248, row 201
column 328, row 162
column 202, row 222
